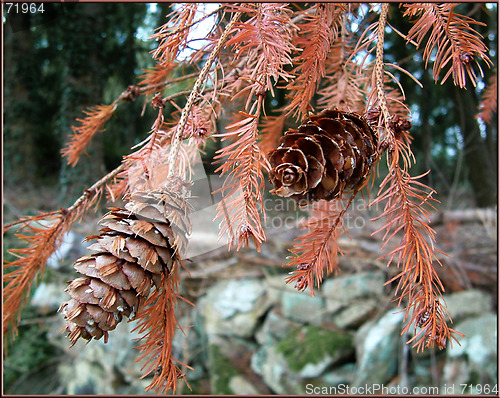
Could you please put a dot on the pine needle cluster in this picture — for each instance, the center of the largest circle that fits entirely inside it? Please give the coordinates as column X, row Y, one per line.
column 315, row 52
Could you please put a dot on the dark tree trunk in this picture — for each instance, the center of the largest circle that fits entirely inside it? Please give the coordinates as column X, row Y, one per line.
column 426, row 126
column 83, row 82
column 481, row 171
column 492, row 140
column 20, row 74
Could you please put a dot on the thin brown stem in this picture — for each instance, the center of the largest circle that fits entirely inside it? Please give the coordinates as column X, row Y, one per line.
column 6, row 227
column 95, row 187
column 194, row 93
column 379, row 65
column 159, row 86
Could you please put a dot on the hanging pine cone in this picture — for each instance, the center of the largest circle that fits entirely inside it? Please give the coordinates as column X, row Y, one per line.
column 133, row 249
column 329, row 153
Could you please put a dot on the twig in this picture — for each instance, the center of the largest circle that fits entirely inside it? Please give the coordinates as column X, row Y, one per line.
column 25, row 220
column 77, row 203
column 188, row 26
column 197, row 85
column 379, row 65
column 95, row 187
column 148, row 88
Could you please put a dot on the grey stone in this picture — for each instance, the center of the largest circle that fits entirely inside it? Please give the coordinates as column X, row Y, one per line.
column 272, row 366
column 103, row 368
column 187, row 338
column 274, row 328
column 242, row 386
column 236, row 296
column 301, row 307
column 227, row 355
column 467, row 303
column 311, row 349
column 347, row 288
column 49, row 296
column 232, row 346
column 332, row 306
column 233, row 307
column 455, row 372
column 353, row 315
column 479, row 346
column 87, row 378
column 340, row 375
column 377, row 349
column 288, row 365
column 276, row 286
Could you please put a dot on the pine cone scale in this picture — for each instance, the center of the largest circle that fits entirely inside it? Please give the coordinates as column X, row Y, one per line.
column 133, row 250
column 338, row 149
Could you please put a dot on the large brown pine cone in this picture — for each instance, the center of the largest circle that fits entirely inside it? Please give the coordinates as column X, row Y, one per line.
column 133, row 249
column 329, row 153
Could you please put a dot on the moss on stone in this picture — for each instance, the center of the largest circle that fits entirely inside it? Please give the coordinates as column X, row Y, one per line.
column 311, row 344
column 222, row 370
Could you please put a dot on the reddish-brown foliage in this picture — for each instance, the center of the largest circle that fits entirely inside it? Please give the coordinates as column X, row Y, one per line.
column 312, row 51
column 270, row 132
column 489, row 103
column 242, row 163
column 318, row 30
column 316, row 251
column 43, row 233
column 173, row 35
column 94, row 122
column 458, row 44
column 158, row 324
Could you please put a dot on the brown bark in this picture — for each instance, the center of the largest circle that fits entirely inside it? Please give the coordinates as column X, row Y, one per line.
column 85, row 89
column 19, row 129
column 427, row 128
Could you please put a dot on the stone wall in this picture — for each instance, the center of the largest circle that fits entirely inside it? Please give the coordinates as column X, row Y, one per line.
column 258, row 335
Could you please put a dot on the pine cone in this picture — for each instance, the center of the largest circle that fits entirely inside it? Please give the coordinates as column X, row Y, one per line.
column 133, row 249
column 329, row 153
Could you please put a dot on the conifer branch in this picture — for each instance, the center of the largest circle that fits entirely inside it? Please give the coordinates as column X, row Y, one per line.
column 20, row 274
column 183, row 27
column 418, row 281
column 94, row 122
column 307, row 48
column 379, row 67
column 157, row 316
column 451, row 34
column 155, row 79
column 344, row 79
column 194, row 93
column 173, row 35
column 242, row 163
column 315, row 251
column 317, row 33
column 270, row 132
column 405, row 212
column 43, row 240
column 266, row 53
column 157, row 324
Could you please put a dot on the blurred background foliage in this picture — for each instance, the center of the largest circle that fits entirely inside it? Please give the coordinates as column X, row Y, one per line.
column 74, row 56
